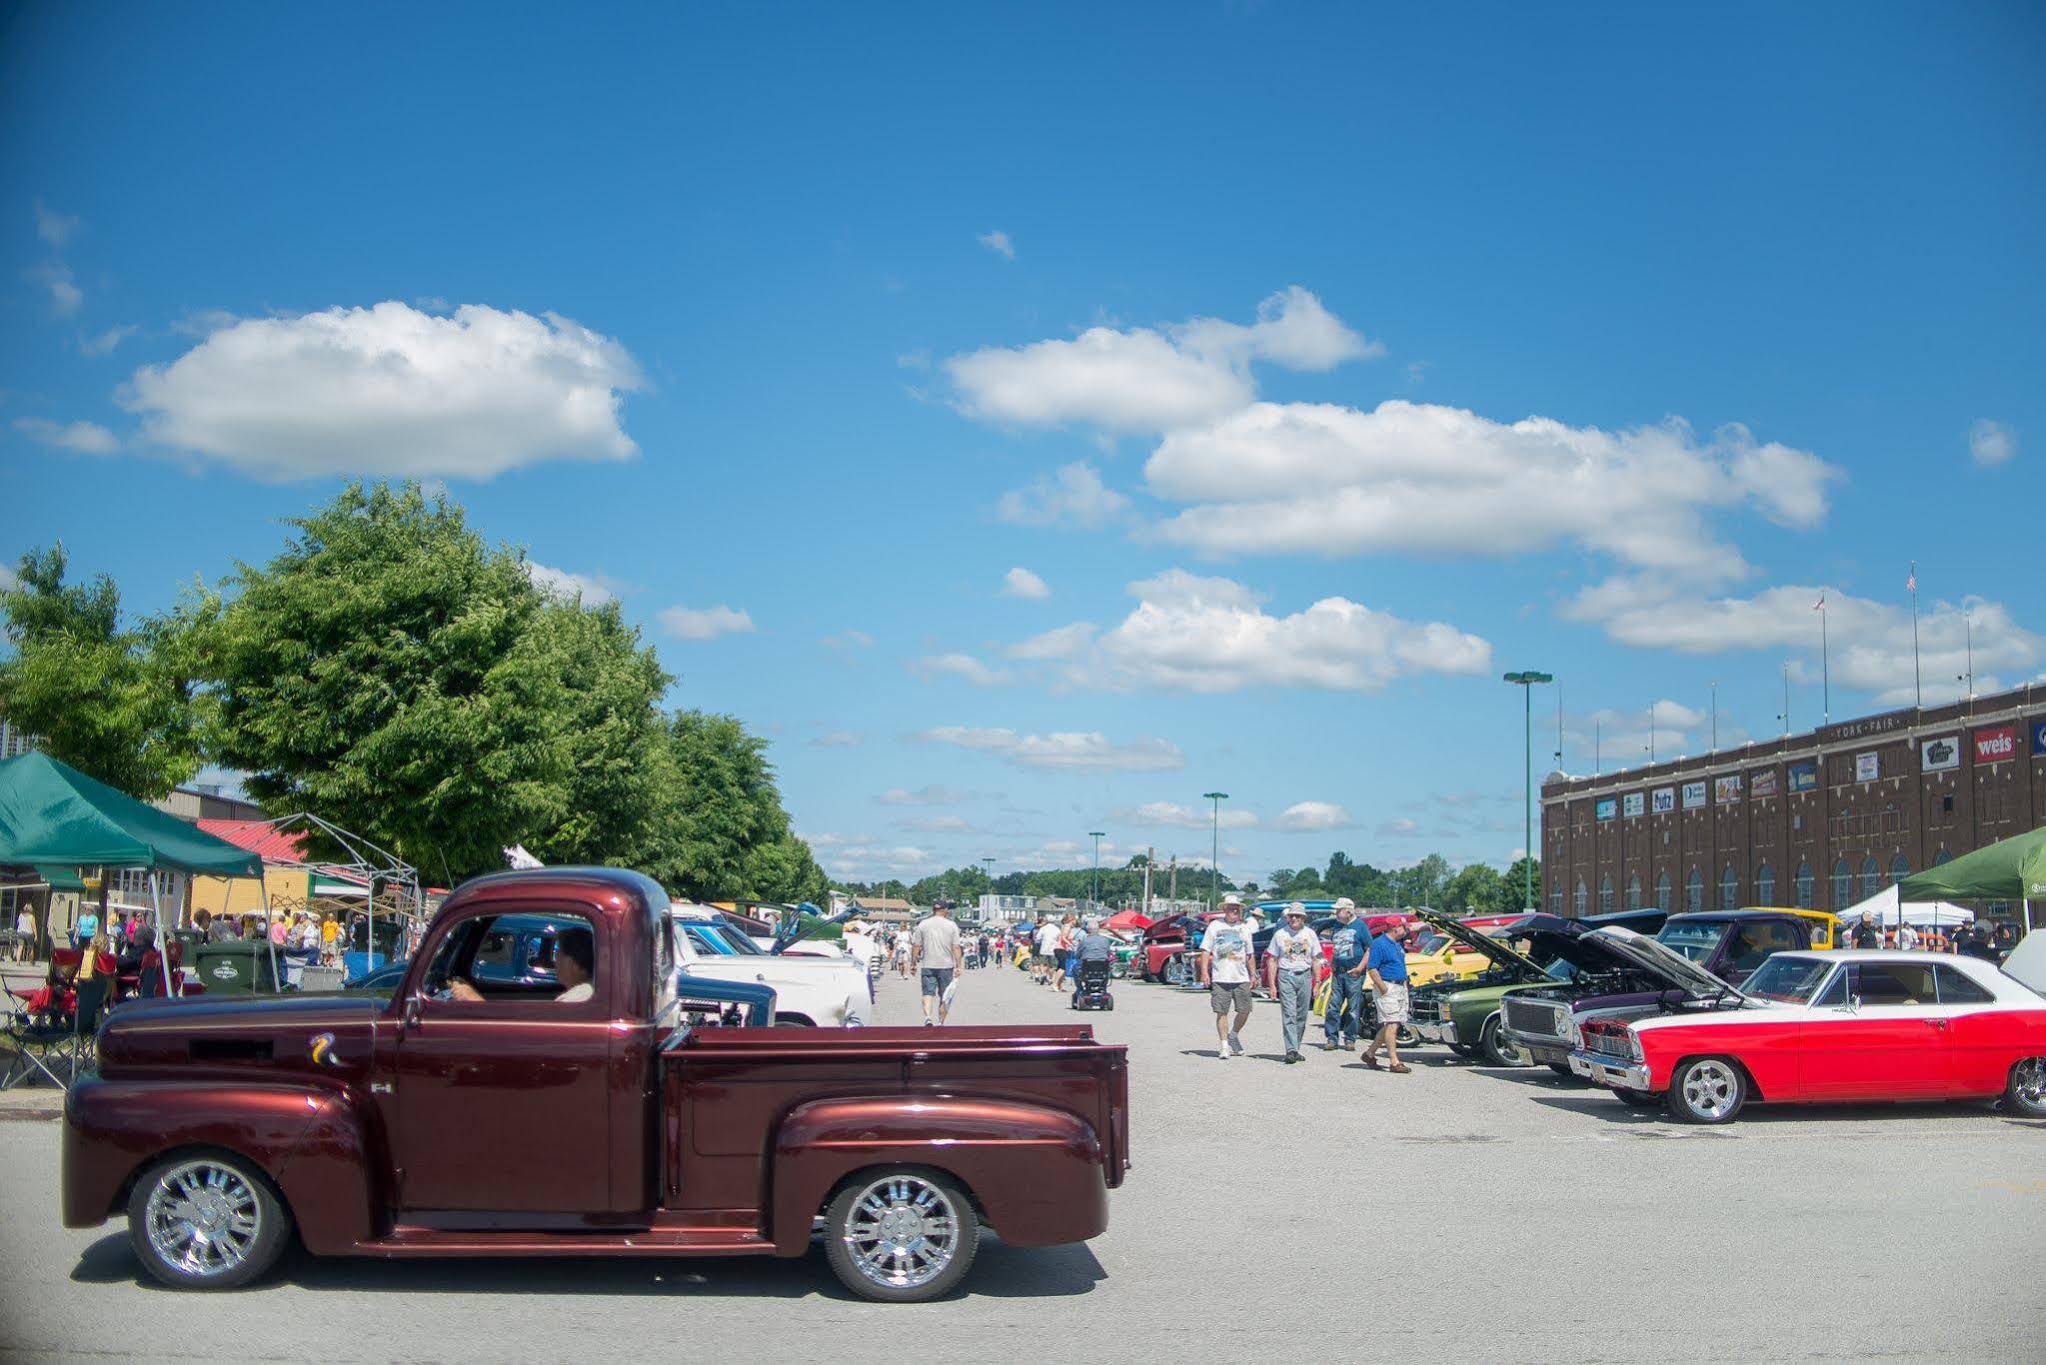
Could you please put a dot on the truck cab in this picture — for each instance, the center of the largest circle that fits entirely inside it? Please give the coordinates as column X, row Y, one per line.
column 623, row 1114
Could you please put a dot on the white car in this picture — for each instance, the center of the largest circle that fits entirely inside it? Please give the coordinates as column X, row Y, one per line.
column 825, row 992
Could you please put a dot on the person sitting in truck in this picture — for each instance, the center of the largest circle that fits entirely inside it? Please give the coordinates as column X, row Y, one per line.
column 575, row 968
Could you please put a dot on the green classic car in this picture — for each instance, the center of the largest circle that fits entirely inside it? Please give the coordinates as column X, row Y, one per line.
column 1465, row 1014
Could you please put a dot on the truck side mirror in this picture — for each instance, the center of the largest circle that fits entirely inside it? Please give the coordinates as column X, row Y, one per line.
column 409, row 1017
column 1854, row 1004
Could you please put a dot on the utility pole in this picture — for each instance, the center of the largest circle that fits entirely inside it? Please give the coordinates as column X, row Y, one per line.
column 1215, row 853
column 1095, row 835
column 1785, row 717
column 989, row 863
column 1526, row 682
column 1150, row 857
column 1715, row 717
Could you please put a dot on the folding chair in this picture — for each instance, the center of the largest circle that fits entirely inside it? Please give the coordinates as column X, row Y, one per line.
column 36, row 1038
column 85, row 1022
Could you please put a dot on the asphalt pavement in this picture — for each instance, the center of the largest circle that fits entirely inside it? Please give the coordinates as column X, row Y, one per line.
column 1319, row 1212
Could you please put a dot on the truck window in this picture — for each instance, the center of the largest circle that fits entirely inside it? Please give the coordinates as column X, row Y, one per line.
column 516, row 958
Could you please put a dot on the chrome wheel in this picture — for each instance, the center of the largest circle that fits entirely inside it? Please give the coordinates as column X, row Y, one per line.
column 1711, row 1090
column 902, row 1232
column 2028, row 1085
column 203, row 1219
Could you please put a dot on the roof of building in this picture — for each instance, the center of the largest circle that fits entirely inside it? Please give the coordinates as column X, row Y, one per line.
column 259, row 837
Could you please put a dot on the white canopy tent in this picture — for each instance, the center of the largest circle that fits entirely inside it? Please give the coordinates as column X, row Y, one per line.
column 1886, row 907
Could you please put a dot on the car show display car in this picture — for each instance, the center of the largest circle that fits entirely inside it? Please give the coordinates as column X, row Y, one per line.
column 1817, row 1027
column 1724, row 946
column 824, row 992
column 624, row 1108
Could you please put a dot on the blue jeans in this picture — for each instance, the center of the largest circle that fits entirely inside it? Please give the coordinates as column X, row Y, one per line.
column 1296, row 995
column 1344, row 1022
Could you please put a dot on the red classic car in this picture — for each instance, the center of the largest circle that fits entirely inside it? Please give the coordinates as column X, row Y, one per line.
column 608, row 1111
column 1812, row 1027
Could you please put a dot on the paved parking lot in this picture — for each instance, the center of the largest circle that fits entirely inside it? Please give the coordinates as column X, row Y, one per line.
column 1457, row 1213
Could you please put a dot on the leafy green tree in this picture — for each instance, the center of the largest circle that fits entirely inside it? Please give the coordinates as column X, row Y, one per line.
column 724, row 832
column 1474, row 890
column 384, row 672
column 1513, row 886
column 121, row 705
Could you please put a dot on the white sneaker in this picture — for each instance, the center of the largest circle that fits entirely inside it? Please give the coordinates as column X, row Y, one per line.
column 1235, row 1042
column 1221, row 1054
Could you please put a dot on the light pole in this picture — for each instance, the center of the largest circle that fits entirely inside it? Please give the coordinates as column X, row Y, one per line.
column 988, row 862
column 1526, row 683
column 1095, row 835
column 1215, row 847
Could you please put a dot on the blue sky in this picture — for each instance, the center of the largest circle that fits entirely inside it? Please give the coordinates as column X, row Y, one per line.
column 1319, row 363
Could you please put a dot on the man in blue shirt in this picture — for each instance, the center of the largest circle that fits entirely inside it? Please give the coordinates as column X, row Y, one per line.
column 1386, row 965
column 1343, row 1022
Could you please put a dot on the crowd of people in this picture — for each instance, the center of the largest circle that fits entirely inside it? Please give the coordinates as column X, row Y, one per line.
column 1990, row 942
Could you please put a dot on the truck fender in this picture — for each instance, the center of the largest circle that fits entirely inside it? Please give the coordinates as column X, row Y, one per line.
column 112, row 1129
column 1036, row 1173
column 328, row 1180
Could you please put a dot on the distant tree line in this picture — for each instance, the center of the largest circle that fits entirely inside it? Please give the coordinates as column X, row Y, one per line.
column 393, row 673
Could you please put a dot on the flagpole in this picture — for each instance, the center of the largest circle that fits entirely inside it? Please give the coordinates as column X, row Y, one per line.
column 1825, row 669
column 1917, row 681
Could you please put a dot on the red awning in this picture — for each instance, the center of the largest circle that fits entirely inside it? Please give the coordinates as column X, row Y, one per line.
column 1128, row 919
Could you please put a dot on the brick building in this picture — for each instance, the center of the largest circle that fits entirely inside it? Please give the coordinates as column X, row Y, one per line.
column 1823, row 819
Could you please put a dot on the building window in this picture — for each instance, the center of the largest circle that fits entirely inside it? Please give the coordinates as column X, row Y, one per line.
column 1941, row 857
column 1694, row 891
column 1871, row 876
column 1634, row 891
column 1583, row 899
column 1662, row 893
column 1556, row 902
column 1900, row 868
column 1805, row 879
column 1729, row 889
column 1605, row 895
column 1765, row 885
column 1843, row 886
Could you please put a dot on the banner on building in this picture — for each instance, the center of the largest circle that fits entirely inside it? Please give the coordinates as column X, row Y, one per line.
column 1762, row 783
column 1804, row 777
column 1867, row 767
column 2039, row 736
column 1607, row 808
column 1632, row 804
column 1694, row 795
column 1726, row 790
column 1940, row 755
column 1996, row 744
column 1664, row 799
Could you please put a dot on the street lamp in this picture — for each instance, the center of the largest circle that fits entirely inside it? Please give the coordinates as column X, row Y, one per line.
column 988, row 862
column 1095, row 835
column 1526, row 683
column 1215, row 847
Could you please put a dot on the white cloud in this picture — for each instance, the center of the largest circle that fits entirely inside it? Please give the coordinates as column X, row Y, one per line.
column 839, row 739
column 1172, row 815
column 65, row 295
column 1075, row 496
column 1020, row 582
column 1194, row 634
column 1063, row 752
column 1991, row 443
column 390, row 390
column 1400, row 827
column 1152, row 379
column 54, row 228
column 1870, row 641
column 105, row 342
column 963, row 666
column 923, row 796
column 939, row 824
column 1421, row 478
column 849, row 639
column 998, row 242
column 85, row 438
column 705, row 623
column 1304, row 817
column 594, row 589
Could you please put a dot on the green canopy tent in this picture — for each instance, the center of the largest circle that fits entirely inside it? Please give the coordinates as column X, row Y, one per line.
column 2012, row 869
column 52, row 815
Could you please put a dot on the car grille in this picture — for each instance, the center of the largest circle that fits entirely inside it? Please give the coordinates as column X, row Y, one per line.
column 1536, row 1017
column 1613, row 1044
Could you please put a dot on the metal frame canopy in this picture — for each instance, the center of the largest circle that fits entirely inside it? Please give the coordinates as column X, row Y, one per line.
column 387, row 879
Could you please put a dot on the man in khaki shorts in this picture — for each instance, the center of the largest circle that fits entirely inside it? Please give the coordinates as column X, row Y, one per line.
column 1225, row 968
column 1386, row 965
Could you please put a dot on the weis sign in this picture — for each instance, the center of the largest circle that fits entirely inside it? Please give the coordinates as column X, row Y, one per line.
column 1996, row 744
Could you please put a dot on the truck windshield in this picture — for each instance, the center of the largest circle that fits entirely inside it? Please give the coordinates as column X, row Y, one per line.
column 717, row 940
column 1697, row 940
column 1787, row 980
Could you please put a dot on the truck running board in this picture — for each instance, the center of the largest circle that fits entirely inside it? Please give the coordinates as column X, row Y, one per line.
column 415, row 1241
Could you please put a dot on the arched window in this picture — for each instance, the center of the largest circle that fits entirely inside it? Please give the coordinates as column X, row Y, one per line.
column 1605, row 895
column 1583, row 899
column 1556, row 902
column 1941, row 857
column 1694, row 891
column 1871, row 876
column 1662, row 893
column 1765, row 885
column 1729, row 889
column 1843, row 886
column 1900, row 868
column 1634, row 891
column 1805, row 879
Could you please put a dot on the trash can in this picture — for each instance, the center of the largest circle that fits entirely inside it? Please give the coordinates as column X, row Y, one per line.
column 236, row 967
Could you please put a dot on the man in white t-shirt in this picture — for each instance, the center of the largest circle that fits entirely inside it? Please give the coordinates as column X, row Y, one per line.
column 1047, row 949
column 1907, row 937
column 1225, row 970
column 1294, row 952
column 934, row 947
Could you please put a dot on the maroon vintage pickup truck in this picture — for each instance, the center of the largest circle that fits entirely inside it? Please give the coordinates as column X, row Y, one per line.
column 599, row 1113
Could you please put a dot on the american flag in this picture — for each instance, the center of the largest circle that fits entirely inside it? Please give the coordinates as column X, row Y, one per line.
column 1911, row 583
column 1820, row 605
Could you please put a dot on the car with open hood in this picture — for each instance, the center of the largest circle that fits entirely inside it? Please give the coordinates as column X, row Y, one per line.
column 1535, row 950
column 1821, row 1027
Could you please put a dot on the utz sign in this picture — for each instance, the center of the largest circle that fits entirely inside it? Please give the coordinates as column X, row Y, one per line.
column 1632, row 804
column 1694, row 795
column 1996, row 744
column 1940, row 755
column 1663, row 800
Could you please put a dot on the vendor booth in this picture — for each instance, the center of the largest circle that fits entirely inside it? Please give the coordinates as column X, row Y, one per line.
column 1887, row 909
column 2011, row 869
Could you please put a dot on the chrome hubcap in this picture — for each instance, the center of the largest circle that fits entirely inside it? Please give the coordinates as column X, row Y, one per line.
column 1709, row 1089
column 2029, row 1082
column 203, row 1219
column 903, row 1231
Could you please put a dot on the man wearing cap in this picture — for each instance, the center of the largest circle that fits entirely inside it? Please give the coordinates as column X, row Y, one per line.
column 1293, row 951
column 1225, row 970
column 1343, row 1024
column 1386, row 965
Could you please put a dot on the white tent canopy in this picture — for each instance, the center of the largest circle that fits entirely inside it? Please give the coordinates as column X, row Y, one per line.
column 1885, row 908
